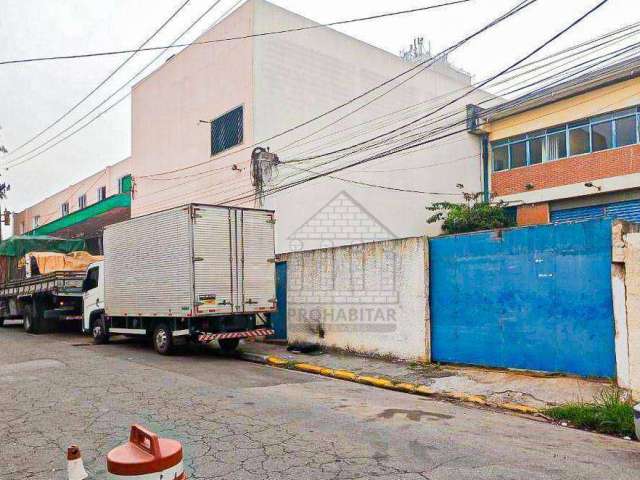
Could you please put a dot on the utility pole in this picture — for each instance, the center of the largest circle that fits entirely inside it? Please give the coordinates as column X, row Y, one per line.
column 3, row 190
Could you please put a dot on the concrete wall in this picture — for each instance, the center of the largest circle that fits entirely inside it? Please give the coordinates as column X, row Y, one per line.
column 50, row 208
column 200, row 83
column 370, row 298
column 299, row 76
column 626, row 297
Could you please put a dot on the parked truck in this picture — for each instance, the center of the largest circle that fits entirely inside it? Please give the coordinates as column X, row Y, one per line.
column 40, row 299
column 196, row 273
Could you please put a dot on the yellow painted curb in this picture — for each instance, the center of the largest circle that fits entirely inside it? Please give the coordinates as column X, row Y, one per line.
column 478, row 399
column 344, row 375
column 411, row 388
column 424, row 390
column 307, row 367
column 277, row 361
column 375, row 381
column 405, row 387
column 515, row 407
column 455, row 395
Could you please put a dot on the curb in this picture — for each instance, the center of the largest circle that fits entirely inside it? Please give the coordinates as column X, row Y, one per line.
column 379, row 382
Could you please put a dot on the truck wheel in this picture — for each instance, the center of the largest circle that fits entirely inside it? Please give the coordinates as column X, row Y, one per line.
column 29, row 321
column 99, row 331
column 1, row 322
column 229, row 345
column 162, row 339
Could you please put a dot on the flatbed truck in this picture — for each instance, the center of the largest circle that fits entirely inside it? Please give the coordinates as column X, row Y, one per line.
column 42, row 301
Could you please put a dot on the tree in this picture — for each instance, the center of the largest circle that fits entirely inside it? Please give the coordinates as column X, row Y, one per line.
column 472, row 215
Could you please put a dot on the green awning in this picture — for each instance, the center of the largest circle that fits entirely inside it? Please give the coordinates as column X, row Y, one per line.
column 114, row 201
column 19, row 245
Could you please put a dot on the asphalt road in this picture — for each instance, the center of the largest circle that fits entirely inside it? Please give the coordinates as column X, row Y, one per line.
column 238, row 420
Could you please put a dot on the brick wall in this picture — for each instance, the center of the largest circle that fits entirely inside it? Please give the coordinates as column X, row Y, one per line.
column 533, row 214
column 582, row 168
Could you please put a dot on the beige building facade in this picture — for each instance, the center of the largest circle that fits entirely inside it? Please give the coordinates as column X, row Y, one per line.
column 197, row 119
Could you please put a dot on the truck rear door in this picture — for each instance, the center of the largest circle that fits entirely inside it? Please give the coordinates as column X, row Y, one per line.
column 234, row 269
column 213, row 262
column 258, row 261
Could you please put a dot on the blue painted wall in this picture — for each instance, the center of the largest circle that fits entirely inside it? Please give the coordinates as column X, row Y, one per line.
column 279, row 319
column 534, row 298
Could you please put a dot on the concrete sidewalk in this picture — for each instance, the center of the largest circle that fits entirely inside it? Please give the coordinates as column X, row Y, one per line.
column 501, row 388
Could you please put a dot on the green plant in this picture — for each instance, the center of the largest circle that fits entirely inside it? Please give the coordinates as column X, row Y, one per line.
column 610, row 412
column 472, row 215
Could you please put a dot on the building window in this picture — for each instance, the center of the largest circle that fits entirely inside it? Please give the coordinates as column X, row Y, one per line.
column 500, row 157
column 102, row 193
column 64, row 209
column 537, row 147
column 556, row 144
column 518, row 154
column 602, row 132
column 227, row 131
column 36, row 221
column 626, row 131
column 82, row 201
column 124, row 184
column 579, row 139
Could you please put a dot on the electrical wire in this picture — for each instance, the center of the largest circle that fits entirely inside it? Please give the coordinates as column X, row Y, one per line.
column 12, row 163
column 109, row 77
column 413, row 144
column 240, row 37
column 521, row 6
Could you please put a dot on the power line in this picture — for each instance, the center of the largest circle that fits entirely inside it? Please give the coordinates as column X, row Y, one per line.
column 473, row 89
column 414, row 144
column 19, row 160
column 244, row 180
column 373, row 185
column 114, row 93
column 95, row 89
column 589, row 50
column 521, row 6
column 240, row 37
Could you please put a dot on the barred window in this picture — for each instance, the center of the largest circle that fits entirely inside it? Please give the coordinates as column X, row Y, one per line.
column 227, row 131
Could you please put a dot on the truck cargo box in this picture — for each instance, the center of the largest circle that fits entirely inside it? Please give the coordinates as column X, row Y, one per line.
column 194, row 260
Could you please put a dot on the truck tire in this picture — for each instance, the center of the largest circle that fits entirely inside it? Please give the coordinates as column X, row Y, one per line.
column 29, row 320
column 229, row 345
column 99, row 331
column 40, row 323
column 162, row 339
column 1, row 322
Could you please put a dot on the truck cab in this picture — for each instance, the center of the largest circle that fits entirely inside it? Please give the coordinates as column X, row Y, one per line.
column 93, row 300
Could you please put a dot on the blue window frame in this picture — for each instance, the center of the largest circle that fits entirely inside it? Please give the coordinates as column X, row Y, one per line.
column 227, row 131
column 602, row 132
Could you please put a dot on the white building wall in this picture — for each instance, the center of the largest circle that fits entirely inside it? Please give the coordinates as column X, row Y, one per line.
column 368, row 298
column 300, row 75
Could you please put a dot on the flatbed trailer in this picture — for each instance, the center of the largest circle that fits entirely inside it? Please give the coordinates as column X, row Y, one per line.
column 42, row 300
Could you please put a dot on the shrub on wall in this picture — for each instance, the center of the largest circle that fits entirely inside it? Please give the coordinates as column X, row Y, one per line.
column 472, row 215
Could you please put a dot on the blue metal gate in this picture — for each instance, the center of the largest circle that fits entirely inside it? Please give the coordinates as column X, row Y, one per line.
column 279, row 319
column 536, row 298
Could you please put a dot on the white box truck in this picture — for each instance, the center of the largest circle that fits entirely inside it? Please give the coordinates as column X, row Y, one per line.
column 195, row 273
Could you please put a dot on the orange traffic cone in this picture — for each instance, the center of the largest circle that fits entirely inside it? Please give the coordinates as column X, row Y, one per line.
column 75, row 466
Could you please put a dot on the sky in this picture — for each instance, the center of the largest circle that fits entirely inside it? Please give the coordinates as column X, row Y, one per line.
column 34, row 94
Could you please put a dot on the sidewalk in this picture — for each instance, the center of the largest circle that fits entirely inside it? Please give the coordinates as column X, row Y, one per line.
column 501, row 388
